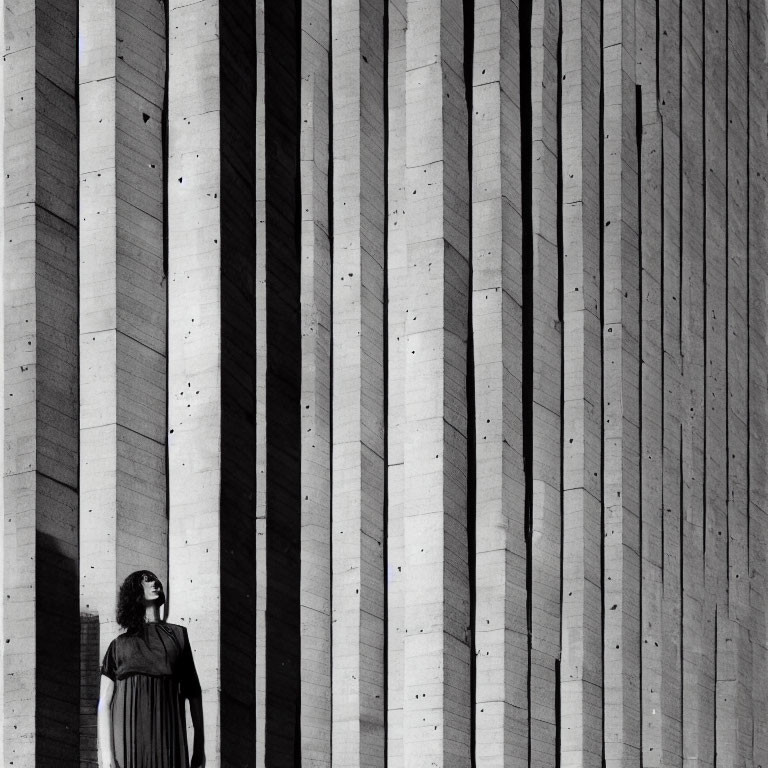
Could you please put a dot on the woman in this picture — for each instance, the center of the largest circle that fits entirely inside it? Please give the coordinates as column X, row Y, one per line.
column 146, row 674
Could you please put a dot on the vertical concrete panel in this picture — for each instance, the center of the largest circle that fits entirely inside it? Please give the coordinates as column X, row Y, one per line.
column 757, row 154
column 648, row 135
column 501, row 637
column 123, row 522
column 437, row 695
column 40, row 548
column 668, row 99
column 315, row 389
column 698, row 673
column 718, row 658
column 211, row 360
column 2, row 373
column 359, row 219
column 581, row 670
column 546, row 509
column 621, row 372
column 737, row 371
column 194, row 291
column 739, row 657
column 397, row 305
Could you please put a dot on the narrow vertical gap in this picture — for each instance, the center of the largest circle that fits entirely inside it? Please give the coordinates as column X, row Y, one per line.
column 749, row 316
column 705, row 324
column 469, row 45
column 715, row 708
column 662, row 284
column 526, row 184
column 662, row 288
column 601, row 228
column 658, row 75
column 680, row 189
column 681, row 372
column 729, row 489
column 331, row 417
column 165, row 160
column 87, row 625
column 297, row 237
column 560, row 318
column 385, row 372
column 681, row 565
column 641, row 337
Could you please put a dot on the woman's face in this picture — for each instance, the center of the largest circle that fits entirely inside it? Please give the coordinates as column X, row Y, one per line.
column 153, row 589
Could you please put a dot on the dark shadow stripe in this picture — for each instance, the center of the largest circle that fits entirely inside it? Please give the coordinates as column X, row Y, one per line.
column 469, row 50
column 526, row 189
column 283, row 452
column 560, row 304
column 238, row 381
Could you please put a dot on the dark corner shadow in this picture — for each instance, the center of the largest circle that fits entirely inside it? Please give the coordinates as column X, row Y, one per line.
column 57, row 648
column 90, row 640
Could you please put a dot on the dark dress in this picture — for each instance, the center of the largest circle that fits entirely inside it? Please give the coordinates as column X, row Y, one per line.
column 153, row 673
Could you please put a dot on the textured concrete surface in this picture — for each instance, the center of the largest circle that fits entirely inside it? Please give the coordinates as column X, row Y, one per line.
column 421, row 347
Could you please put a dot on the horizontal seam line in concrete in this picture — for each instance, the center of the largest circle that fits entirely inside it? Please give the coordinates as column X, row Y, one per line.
column 135, row 18
column 421, row 165
column 126, row 428
column 127, row 336
column 58, row 482
column 42, row 208
column 324, row 46
column 55, row 85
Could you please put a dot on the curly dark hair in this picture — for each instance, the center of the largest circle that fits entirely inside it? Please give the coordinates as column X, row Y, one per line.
column 130, row 601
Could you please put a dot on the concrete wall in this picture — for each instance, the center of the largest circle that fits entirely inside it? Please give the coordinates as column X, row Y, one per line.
column 420, row 347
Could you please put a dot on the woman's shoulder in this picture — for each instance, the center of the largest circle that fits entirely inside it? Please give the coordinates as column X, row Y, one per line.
column 178, row 629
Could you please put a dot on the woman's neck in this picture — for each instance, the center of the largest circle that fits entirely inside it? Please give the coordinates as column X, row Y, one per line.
column 152, row 614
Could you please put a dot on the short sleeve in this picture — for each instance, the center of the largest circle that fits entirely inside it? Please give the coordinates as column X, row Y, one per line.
column 190, row 684
column 109, row 665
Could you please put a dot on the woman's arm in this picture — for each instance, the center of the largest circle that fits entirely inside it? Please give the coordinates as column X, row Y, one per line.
column 104, row 722
column 198, row 748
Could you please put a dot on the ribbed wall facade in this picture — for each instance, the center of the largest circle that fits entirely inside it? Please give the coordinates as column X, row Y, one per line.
column 420, row 347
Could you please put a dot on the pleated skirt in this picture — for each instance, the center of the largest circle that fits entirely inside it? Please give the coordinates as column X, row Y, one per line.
column 149, row 723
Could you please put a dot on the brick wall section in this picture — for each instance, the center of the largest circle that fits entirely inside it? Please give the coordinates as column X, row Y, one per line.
column 40, row 548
